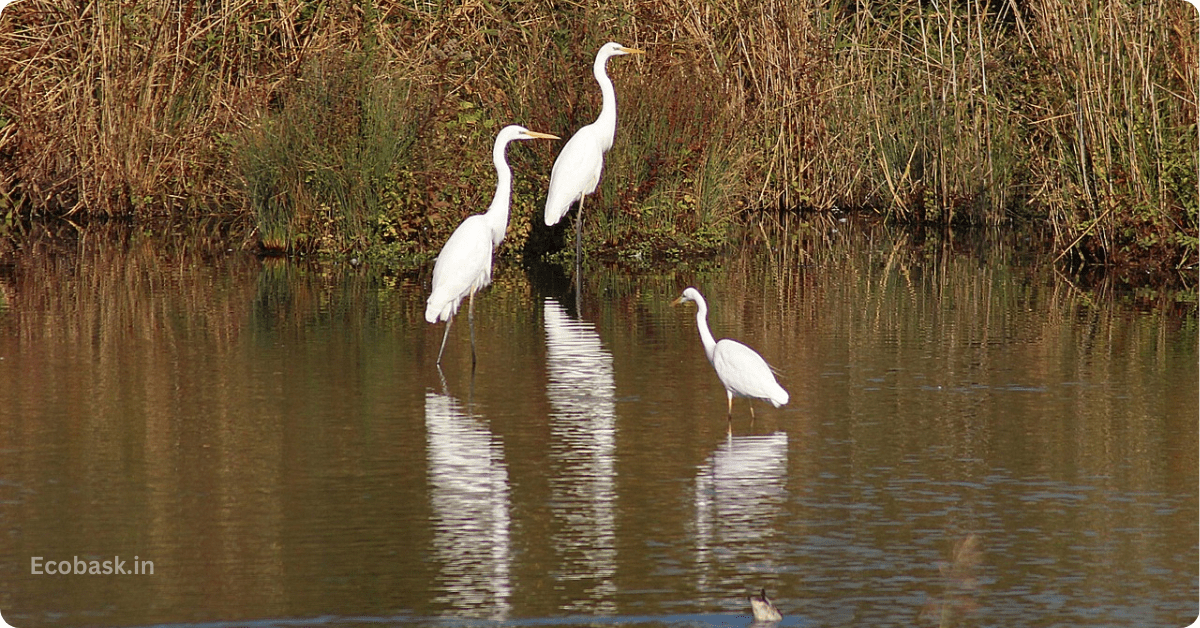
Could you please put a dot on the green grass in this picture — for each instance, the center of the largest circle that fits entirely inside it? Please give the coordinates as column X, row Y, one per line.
column 321, row 170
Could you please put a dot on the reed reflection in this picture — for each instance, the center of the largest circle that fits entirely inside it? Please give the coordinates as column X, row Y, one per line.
column 583, row 434
column 469, row 492
column 740, row 490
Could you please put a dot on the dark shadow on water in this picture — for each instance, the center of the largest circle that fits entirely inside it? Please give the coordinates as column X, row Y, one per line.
column 545, row 240
column 552, row 280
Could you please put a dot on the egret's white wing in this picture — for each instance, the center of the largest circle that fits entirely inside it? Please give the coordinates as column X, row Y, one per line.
column 464, row 265
column 746, row 373
column 576, row 172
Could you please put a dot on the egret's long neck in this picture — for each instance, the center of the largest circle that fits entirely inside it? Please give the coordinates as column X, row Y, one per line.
column 497, row 213
column 706, row 336
column 607, row 121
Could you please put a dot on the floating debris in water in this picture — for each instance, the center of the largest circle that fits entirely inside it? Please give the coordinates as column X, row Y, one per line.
column 764, row 610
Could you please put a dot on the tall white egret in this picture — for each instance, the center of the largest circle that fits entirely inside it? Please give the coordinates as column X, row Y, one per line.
column 464, row 265
column 741, row 369
column 576, row 172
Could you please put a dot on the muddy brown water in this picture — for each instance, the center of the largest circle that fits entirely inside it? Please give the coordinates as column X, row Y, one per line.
column 972, row 439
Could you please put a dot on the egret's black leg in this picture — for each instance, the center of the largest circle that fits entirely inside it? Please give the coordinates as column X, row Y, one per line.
column 445, row 335
column 471, row 319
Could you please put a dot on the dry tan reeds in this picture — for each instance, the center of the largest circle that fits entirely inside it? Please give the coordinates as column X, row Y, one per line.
column 1120, row 169
column 1079, row 114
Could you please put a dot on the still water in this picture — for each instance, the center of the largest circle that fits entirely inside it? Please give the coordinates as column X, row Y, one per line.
column 973, row 439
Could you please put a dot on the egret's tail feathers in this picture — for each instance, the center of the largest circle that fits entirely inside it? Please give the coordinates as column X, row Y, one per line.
column 438, row 309
column 555, row 214
column 557, row 207
column 779, row 396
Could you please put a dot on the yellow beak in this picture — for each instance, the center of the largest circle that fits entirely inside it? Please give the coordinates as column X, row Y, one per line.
column 542, row 136
column 677, row 301
column 632, row 51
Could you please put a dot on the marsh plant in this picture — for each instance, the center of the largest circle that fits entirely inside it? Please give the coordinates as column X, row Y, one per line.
column 317, row 167
column 1076, row 117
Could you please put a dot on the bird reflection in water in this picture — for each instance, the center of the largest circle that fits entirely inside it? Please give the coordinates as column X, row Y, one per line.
column 959, row 584
column 470, row 499
column 582, row 445
column 740, row 491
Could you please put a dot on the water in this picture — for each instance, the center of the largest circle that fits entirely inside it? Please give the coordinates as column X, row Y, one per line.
column 972, row 439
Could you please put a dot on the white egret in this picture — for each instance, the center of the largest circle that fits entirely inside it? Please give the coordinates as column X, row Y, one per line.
column 576, row 172
column 465, row 263
column 764, row 611
column 741, row 369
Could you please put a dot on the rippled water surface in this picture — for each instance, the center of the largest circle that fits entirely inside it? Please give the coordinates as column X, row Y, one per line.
column 972, row 439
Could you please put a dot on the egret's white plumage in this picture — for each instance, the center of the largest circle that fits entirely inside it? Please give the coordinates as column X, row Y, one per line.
column 741, row 369
column 465, row 263
column 576, row 171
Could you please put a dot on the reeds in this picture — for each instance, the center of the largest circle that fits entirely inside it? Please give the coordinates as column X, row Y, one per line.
column 319, row 168
column 1120, row 170
column 122, row 108
column 1081, row 115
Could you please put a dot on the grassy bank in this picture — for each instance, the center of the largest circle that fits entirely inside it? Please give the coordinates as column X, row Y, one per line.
column 351, row 126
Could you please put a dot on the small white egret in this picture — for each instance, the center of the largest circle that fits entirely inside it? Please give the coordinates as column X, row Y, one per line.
column 465, row 263
column 764, row 611
column 741, row 369
column 576, row 172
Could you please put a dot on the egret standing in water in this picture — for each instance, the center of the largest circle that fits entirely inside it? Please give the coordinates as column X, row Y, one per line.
column 576, row 172
column 741, row 369
column 465, row 264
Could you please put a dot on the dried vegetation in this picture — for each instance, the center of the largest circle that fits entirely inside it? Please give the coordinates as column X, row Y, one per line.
column 366, row 125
